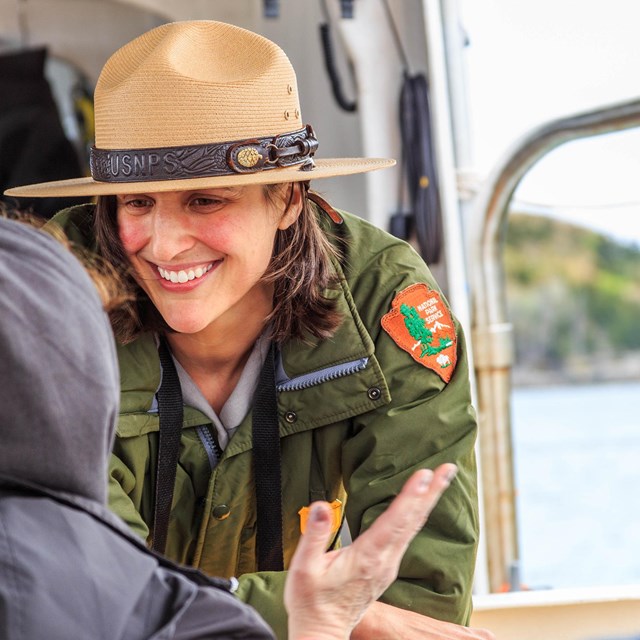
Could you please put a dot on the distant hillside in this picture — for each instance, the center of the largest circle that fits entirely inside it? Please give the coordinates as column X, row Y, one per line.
column 574, row 299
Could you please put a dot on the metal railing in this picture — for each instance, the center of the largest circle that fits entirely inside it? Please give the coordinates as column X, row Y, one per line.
column 492, row 336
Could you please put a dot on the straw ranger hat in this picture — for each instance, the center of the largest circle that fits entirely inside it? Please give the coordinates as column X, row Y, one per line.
column 198, row 104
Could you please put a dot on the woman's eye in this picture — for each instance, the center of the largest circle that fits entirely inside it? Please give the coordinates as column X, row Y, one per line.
column 206, row 204
column 137, row 203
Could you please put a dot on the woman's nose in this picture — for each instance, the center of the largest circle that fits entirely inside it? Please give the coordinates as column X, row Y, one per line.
column 170, row 234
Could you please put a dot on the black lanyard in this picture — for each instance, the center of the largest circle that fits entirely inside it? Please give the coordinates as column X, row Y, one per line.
column 267, row 469
column 267, row 464
column 170, row 412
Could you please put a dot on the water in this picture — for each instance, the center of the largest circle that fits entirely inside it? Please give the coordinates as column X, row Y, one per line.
column 577, row 467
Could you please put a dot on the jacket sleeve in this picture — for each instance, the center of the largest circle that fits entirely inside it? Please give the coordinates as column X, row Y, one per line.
column 265, row 591
column 422, row 427
column 178, row 609
column 427, row 422
column 215, row 614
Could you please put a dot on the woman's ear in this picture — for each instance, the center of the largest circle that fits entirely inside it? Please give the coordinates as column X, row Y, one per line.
column 294, row 206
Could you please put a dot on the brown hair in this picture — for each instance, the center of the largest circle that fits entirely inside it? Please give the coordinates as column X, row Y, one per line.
column 112, row 289
column 300, row 270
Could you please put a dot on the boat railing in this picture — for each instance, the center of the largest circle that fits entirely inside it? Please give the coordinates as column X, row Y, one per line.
column 492, row 335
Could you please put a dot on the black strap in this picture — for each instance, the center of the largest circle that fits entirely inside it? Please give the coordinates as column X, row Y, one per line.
column 267, row 462
column 267, row 469
column 170, row 410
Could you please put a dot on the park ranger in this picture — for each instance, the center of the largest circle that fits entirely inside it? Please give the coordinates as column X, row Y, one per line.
column 278, row 350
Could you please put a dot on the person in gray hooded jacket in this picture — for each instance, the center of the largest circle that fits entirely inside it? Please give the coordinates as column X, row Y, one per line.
column 70, row 568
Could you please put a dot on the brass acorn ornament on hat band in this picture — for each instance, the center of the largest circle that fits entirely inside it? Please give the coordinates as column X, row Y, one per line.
column 198, row 104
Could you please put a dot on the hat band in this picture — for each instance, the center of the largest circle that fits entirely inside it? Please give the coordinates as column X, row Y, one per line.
column 205, row 160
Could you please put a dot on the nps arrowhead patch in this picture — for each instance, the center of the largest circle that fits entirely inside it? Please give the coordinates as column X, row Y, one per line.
column 420, row 323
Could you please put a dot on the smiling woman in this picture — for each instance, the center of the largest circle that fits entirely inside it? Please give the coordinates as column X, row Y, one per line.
column 269, row 360
column 294, row 272
column 164, row 236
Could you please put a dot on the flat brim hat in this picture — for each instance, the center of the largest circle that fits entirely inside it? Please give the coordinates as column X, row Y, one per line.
column 194, row 105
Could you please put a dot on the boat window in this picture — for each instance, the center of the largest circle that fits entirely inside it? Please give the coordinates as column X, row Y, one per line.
column 573, row 296
column 572, row 266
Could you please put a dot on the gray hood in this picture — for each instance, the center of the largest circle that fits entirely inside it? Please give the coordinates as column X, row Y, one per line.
column 59, row 381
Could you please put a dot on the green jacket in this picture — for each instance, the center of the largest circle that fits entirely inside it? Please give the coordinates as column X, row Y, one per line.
column 356, row 436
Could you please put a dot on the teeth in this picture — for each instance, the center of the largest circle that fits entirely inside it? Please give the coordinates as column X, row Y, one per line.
column 184, row 276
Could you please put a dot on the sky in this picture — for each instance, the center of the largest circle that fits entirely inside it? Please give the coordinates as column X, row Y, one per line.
column 531, row 62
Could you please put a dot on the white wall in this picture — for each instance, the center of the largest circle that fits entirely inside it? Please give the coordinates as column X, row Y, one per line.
column 86, row 32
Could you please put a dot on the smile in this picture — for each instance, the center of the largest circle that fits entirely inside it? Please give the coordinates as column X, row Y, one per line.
column 184, row 275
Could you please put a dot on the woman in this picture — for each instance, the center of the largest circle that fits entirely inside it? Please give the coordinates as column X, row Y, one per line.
column 56, row 502
column 279, row 351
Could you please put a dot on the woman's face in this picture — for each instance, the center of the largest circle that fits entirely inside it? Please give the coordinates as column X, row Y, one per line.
column 199, row 254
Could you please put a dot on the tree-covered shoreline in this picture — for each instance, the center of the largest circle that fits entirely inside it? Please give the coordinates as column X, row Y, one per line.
column 573, row 297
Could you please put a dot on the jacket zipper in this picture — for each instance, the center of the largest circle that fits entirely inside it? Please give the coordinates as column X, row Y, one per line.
column 284, row 383
column 210, row 445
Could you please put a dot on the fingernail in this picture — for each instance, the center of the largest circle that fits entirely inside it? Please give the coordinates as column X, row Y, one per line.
column 425, row 481
column 452, row 473
column 318, row 514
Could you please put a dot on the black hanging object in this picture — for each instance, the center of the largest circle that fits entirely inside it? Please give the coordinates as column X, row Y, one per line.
column 401, row 224
column 330, row 65
column 33, row 144
column 419, row 164
column 329, row 57
column 267, row 465
column 170, row 411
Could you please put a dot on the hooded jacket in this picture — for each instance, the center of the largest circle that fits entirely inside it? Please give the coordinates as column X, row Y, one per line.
column 357, row 414
column 70, row 569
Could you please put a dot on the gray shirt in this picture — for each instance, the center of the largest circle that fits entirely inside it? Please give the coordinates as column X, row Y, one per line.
column 239, row 402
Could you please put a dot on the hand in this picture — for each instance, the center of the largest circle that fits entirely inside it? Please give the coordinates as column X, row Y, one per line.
column 384, row 622
column 326, row 594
